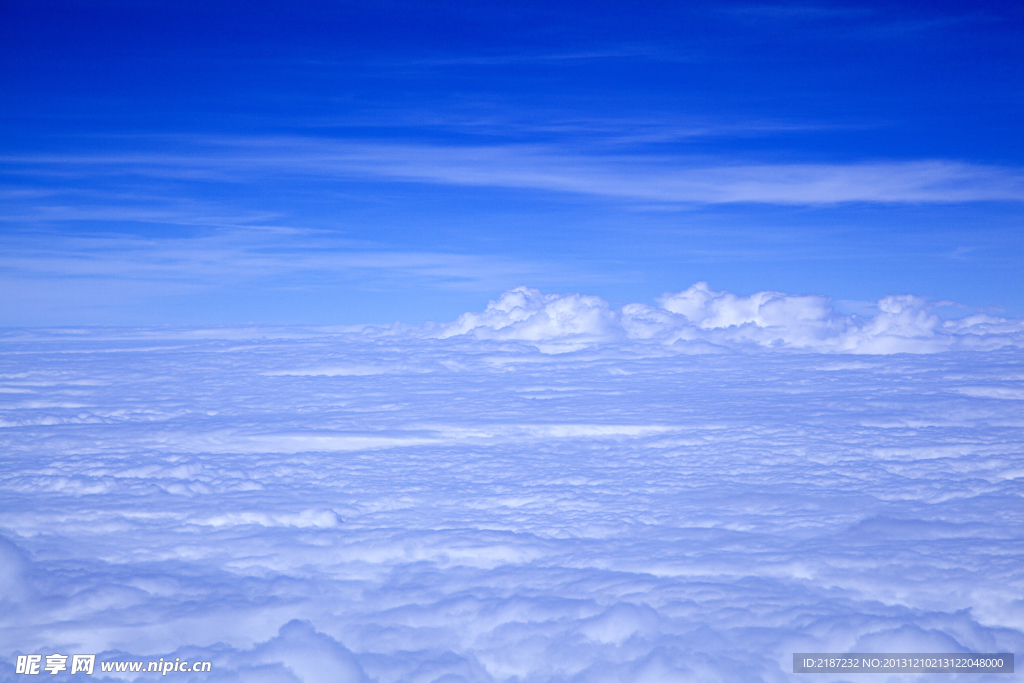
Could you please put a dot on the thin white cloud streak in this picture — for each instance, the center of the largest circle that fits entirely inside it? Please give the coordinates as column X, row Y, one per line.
column 604, row 134
column 53, row 278
column 661, row 179
column 536, row 167
column 544, row 58
column 232, row 256
column 56, row 279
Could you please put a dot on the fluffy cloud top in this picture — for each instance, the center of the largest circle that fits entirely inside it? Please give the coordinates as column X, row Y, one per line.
column 554, row 320
column 700, row 314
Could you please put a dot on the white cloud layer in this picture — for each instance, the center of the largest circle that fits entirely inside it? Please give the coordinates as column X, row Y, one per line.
column 700, row 315
column 476, row 510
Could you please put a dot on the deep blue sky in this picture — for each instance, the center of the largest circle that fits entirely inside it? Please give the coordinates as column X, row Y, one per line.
column 215, row 162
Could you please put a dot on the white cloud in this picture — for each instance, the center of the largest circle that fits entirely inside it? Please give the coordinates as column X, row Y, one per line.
column 636, row 177
column 700, row 314
column 90, row 278
column 303, row 652
column 563, row 321
column 483, row 511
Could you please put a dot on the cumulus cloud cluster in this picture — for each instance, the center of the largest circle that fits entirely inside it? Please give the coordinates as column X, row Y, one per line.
column 902, row 324
column 303, row 506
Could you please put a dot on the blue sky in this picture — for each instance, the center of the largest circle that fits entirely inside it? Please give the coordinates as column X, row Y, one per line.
column 337, row 163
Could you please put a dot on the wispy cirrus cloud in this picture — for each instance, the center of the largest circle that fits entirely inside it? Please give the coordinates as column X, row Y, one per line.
column 238, row 255
column 53, row 276
column 631, row 177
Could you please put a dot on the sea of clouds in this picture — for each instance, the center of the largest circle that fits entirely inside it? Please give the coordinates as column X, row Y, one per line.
column 548, row 490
